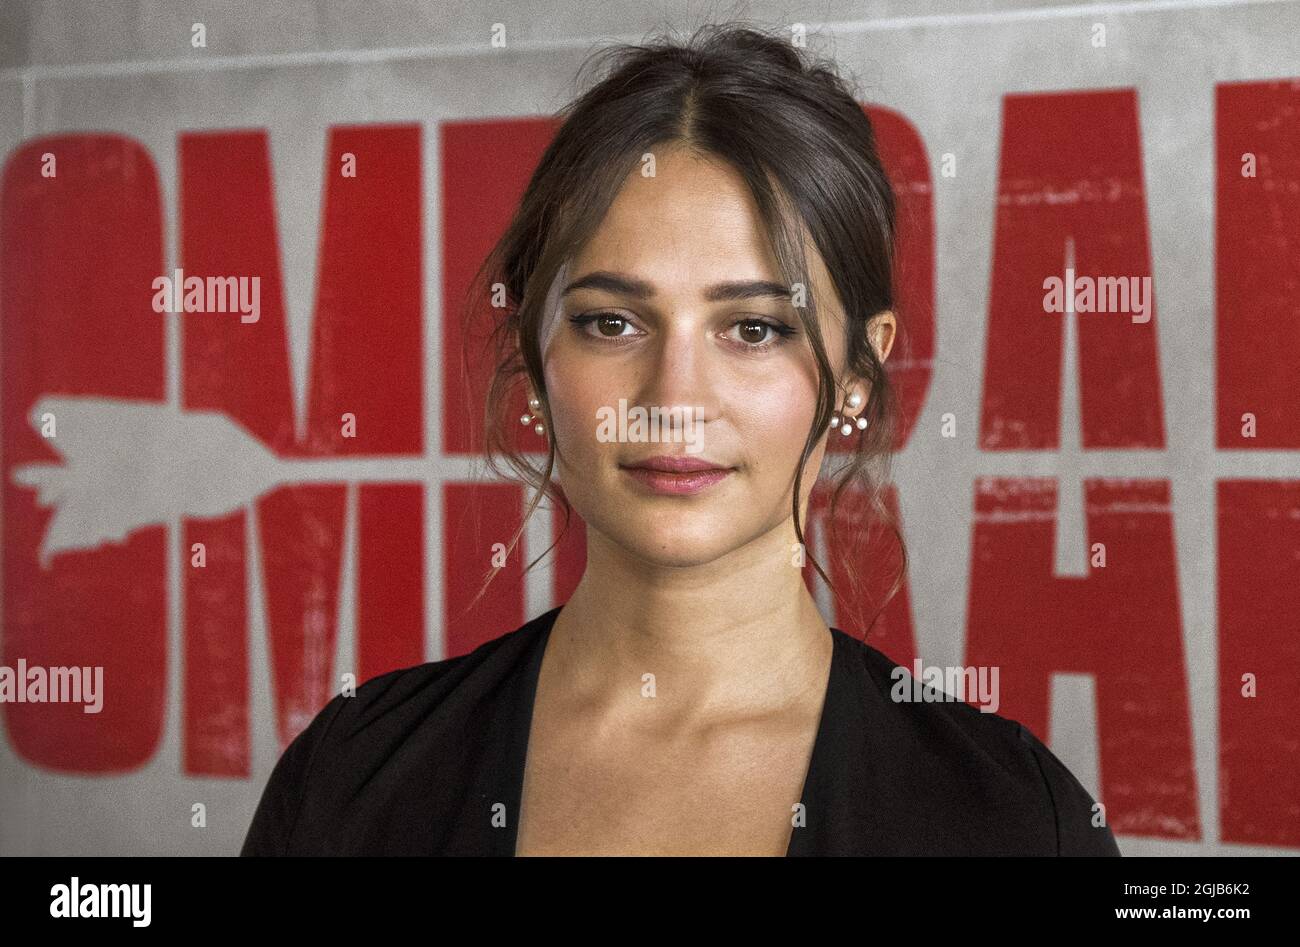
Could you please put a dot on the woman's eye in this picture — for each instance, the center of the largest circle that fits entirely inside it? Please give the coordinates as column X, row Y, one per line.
column 607, row 324
column 754, row 332
column 611, row 325
column 751, row 334
column 760, row 334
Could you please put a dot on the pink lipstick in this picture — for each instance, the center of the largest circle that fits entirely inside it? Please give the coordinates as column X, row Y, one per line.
column 677, row 475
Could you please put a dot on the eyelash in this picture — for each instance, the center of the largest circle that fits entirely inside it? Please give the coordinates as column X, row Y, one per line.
column 781, row 331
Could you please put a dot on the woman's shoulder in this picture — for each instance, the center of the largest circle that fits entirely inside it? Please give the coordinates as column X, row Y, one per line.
column 461, row 681
column 445, row 692
column 964, row 758
column 407, row 731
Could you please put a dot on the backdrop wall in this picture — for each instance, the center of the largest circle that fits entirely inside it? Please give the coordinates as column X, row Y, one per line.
column 1105, row 504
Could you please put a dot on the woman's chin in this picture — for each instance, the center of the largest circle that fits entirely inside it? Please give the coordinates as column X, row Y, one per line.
column 678, row 547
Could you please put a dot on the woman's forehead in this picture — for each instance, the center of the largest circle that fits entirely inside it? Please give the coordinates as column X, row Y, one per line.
column 682, row 240
column 690, row 225
column 680, row 221
column 653, row 270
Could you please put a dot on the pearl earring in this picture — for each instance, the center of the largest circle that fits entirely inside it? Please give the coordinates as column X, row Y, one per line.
column 846, row 424
column 535, row 407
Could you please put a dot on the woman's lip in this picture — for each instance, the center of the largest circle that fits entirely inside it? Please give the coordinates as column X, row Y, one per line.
column 676, row 463
column 677, row 484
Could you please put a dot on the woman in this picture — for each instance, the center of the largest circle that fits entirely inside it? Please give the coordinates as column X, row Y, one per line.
column 710, row 236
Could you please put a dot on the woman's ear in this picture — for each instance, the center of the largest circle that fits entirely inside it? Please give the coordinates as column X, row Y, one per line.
column 880, row 333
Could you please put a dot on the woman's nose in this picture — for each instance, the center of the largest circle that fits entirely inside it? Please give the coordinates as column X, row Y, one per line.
column 682, row 372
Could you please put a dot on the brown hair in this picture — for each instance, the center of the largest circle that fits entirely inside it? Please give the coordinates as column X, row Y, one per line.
column 792, row 128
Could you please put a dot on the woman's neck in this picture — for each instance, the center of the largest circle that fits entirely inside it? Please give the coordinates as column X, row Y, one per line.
column 734, row 638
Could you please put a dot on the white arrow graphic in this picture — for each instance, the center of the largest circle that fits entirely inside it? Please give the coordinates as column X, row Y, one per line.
column 131, row 464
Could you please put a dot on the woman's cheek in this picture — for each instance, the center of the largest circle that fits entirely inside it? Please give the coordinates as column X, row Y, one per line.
column 573, row 403
column 574, row 434
column 780, row 420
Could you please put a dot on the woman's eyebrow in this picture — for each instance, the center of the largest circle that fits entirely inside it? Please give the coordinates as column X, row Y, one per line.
column 640, row 289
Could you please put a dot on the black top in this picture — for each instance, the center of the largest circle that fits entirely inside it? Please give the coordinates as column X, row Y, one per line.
column 429, row 760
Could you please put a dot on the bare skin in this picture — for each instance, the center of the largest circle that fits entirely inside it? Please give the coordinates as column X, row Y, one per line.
column 710, row 754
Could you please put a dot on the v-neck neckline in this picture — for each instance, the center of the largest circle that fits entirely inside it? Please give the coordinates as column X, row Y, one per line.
column 521, row 738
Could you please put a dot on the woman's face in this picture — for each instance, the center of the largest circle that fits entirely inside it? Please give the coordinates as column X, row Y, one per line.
column 659, row 329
